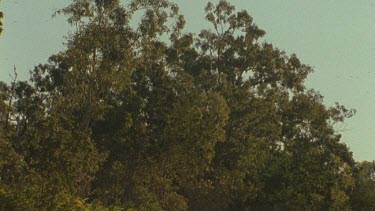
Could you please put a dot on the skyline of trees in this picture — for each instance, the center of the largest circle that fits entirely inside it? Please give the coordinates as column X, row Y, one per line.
column 123, row 119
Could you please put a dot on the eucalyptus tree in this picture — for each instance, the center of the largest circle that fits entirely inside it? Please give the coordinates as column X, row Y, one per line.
column 114, row 81
column 275, row 125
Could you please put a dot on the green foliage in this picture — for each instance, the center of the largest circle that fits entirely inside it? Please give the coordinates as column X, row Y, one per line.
column 363, row 196
column 122, row 120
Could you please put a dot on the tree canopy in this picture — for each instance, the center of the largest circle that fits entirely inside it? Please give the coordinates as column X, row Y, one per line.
column 138, row 114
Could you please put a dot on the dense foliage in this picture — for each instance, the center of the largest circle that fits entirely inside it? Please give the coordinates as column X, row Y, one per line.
column 126, row 118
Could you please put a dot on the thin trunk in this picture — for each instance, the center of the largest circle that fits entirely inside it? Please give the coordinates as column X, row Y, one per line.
column 7, row 119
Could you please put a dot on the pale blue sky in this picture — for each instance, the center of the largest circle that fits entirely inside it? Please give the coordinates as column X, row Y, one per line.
column 336, row 37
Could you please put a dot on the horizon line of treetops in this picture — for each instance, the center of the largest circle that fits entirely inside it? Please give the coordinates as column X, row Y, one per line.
column 122, row 120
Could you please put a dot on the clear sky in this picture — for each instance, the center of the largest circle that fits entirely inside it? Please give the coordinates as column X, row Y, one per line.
column 336, row 37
